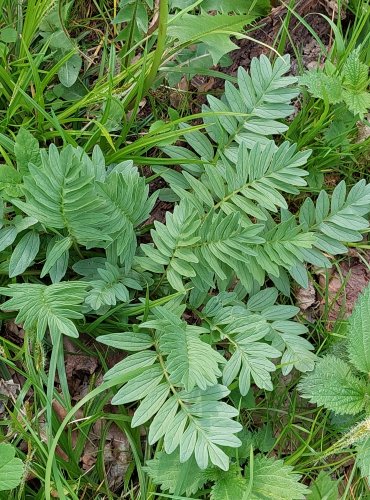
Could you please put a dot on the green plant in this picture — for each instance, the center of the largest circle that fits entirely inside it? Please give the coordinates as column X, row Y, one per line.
column 194, row 305
column 348, row 85
column 340, row 383
column 11, row 468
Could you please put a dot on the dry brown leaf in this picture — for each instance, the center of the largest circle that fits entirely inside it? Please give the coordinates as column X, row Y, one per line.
column 306, row 297
column 356, row 276
column 117, row 456
column 80, row 363
column 116, row 453
column 9, row 389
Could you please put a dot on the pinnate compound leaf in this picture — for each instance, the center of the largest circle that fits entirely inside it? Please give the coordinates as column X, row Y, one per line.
column 126, row 194
column 11, row 468
column 62, row 195
column 42, row 306
column 190, row 361
column 333, row 385
column 359, row 333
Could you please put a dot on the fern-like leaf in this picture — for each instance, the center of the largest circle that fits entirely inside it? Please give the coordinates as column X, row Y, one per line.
column 126, row 195
column 61, row 195
column 41, row 307
column 196, row 421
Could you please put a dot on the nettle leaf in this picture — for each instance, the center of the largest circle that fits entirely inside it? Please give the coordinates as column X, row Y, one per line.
column 358, row 333
column 363, row 458
column 333, row 385
column 41, row 307
column 270, row 478
column 213, row 31
column 27, row 150
column 171, row 475
column 228, row 485
column 239, row 6
column 11, row 468
column 322, row 86
column 324, row 487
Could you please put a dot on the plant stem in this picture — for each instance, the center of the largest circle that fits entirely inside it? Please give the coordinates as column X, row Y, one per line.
column 161, row 42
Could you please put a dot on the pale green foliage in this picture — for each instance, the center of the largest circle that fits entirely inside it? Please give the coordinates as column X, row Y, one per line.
column 349, row 85
column 60, row 196
column 177, row 385
column 267, row 478
column 230, row 231
column 247, row 328
column 82, row 200
column 112, row 286
column 222, row 226
column 41, row 307
column 11, row 468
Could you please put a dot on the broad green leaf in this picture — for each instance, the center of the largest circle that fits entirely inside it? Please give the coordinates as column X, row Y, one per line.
column 7, row 236
column 333, row 385
column 59, row 248
column 228, row 485
column 11, row 468
column 322, row 86
column 270, row 478
column 214, row 31
column 363, row 458
column 359, row 333
column 26, row 150
column 173, row 476
column 324, row 488
column 69, row 72
column 24, row 253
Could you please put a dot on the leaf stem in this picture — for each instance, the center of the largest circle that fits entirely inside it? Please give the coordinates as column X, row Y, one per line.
column 161, row 43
